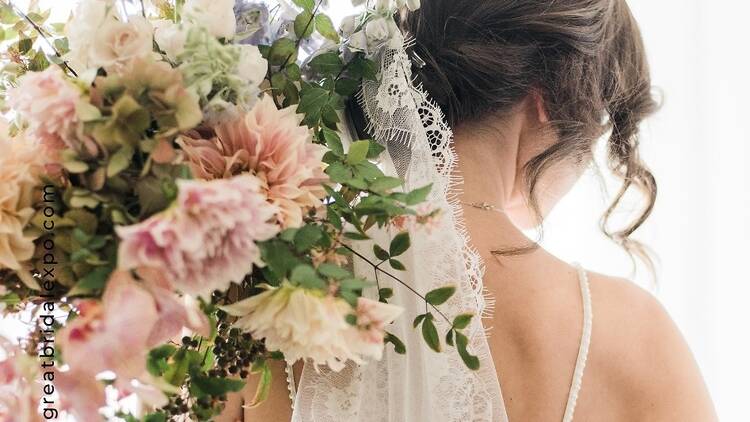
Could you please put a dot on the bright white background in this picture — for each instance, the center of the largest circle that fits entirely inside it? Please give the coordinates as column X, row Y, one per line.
column 697, row 146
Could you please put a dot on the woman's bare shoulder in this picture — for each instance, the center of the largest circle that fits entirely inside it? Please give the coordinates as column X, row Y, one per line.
column 639, row 349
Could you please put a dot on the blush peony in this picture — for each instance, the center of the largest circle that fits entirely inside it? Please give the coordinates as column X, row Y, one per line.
column 47, row 102
column 207, row 239
column 271, row 144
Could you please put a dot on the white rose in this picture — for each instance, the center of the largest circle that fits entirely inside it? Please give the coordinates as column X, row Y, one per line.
column 348, row 25
column 410, row 4
column 377, row 32
column 358, row 41
column 252, row 66
column 82, row 28
column 383, row 5
column 119, row 42
column 170, row 37
column 217, row 16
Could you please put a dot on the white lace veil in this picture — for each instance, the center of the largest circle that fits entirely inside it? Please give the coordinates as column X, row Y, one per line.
column 421, row 385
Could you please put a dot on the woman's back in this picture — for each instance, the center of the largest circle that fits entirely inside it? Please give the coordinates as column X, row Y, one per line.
column 637, row 367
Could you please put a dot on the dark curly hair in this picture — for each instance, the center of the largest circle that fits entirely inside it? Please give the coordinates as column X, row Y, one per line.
column 584, row 57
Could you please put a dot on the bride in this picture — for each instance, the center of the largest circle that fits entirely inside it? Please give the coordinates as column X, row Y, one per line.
column 528, row 87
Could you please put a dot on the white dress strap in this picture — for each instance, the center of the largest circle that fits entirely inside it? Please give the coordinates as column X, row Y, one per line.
column 583, row 350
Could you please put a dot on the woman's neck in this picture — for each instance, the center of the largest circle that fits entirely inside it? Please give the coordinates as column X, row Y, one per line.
column 487, row 163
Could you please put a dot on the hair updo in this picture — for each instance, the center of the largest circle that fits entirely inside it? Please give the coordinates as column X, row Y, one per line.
column 584, row 57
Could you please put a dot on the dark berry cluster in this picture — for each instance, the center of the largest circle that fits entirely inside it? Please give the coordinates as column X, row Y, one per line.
column 235, row 352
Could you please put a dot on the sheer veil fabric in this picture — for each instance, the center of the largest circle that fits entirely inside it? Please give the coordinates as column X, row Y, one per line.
column 421, row 385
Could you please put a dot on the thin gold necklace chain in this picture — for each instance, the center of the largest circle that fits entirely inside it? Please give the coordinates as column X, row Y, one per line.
column 484, row 206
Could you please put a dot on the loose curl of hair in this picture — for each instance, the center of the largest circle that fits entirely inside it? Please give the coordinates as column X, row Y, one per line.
column 584, row 57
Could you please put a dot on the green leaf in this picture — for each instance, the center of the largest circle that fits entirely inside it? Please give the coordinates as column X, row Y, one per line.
column 304, row 24
column 358, row 152
column 279, row 81
column 440, row 296
column 385, row 183
column 292, row 70
column 334, row 218
column 24, row 45
column 385, row 293
column 333, row 141
column 362, row 68
column 355, row 284
column 305, row 4
column 311, row 103
column 95, row 280
column 333, row 271
column 462, row 321
column 307, row 237
column 375, row 150
column 327, row 63
column 396, row 265
column 430, row 334
column 449, row 338
column 205, row 386
column 278, row 258
column 283, row 50
column 400, row 244
column 347, row 87
column 355, row 236
column 418, row 320
column 398, row 345
column 471, row 361
column 325, row 28
column 156, row 364
column 155, row 417
column 339, row 173
column 87, row 112
column 120, row 160
column 264, row 383
column 306, row 276
column 380, row 253
column 418, row 195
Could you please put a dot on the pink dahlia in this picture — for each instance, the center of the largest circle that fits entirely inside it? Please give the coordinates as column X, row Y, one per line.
column 47, row 102
column 271, row 144
column 207, row 239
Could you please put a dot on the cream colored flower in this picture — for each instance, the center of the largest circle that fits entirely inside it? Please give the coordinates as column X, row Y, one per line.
column 117, row 43
column 170, row 37
column 217, row 16
column 252, row 67
column 309, row 324
column 20, row 165
column 301, row 323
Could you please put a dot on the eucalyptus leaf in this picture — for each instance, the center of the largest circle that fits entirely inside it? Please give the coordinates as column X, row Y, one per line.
column 304, row 24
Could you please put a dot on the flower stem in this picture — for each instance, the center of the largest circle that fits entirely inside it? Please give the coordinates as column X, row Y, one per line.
column 364, row 258
column 42, row 34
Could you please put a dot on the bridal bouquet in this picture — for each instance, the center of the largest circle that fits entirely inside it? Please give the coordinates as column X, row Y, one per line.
column 178, row 208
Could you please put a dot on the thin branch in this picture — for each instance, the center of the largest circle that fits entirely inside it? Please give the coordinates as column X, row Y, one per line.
column 364, row 258
column 41, row 33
